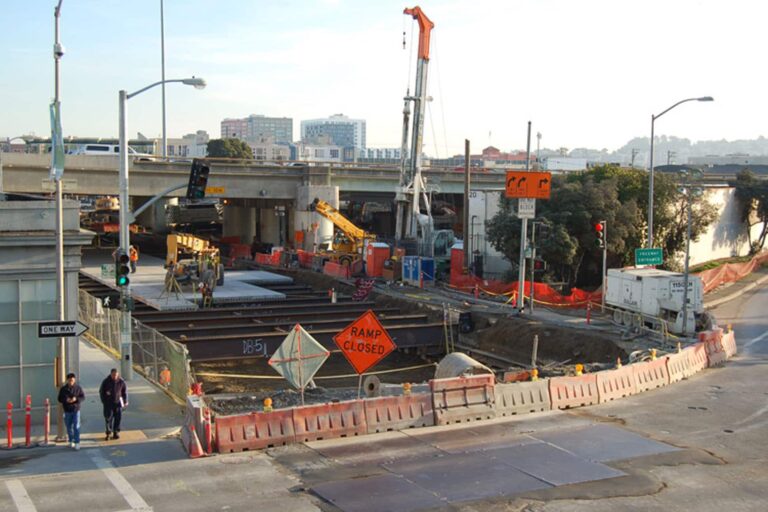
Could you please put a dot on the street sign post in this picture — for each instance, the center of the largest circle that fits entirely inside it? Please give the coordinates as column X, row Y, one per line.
column 646, row 257
column 526, row 208
column 60, row 329
column 364, row 342
column 532, row 185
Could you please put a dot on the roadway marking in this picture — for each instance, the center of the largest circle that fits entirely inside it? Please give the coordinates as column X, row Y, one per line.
column 119, row 482
column 19, row 496
column 755, row 340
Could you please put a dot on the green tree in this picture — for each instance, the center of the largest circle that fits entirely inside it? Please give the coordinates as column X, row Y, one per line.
column 752, row 193
column 229, row 148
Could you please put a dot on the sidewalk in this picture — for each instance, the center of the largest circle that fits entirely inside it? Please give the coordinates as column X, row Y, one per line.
column 150, row 414
column 734, row 290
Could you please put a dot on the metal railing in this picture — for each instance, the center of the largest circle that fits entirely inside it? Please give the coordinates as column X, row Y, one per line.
column 160, row 359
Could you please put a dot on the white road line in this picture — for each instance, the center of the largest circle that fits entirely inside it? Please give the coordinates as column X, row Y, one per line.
column 127, row 491
column 20, row 497
column 755, row 340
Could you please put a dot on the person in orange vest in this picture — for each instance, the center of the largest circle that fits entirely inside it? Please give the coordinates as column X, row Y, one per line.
column 133, row 255
column 165, row 377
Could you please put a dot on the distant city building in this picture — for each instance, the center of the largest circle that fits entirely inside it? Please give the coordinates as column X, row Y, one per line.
column 564, row 164
column 192, row 145
column 379, row 155
column 307, row 152
column 492, row 157
column 343, row 131
column 266, row 148
column 735, row 159
column 254, row 126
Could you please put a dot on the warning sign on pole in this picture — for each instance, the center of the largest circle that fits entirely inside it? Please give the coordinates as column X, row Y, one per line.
column 364, row 342
column 531, row 185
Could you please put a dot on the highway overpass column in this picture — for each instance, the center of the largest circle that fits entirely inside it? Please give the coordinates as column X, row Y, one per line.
column 154, row 217
column 305, row 219
column 240, row 221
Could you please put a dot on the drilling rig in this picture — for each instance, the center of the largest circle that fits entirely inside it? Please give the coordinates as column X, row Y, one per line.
column 411, row 190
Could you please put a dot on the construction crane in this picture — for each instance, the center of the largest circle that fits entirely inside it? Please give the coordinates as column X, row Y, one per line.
column 412, row 188
column 349, row 240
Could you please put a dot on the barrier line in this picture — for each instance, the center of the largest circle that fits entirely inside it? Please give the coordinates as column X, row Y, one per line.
column 19, row 496
column 326, row 377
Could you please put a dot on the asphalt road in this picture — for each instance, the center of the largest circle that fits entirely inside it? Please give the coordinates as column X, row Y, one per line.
column 716, row 423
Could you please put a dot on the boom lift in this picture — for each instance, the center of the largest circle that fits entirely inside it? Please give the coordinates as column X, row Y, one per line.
column 193, row 259
column 349, row 240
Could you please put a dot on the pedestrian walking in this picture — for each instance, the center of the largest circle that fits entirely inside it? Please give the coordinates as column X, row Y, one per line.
column 70, row 397
column 133, row 257
column 114, row 397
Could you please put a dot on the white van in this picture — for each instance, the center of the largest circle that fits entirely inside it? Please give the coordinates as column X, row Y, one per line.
column 108, row 149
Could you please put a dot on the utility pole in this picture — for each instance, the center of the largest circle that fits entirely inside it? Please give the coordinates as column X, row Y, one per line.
column 164, row 152
column 635, row 151
column 465, row 216
column 538, row 148
column 533, row 260
column 523, row 236
column 670, row 156
column 58, row 52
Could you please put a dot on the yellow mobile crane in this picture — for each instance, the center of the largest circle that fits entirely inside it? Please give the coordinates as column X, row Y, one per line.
column 348, row 240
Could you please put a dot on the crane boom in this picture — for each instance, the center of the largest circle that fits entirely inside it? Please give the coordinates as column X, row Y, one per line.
column 356, row 235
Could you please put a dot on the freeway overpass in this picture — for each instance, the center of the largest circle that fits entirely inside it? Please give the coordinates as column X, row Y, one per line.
column 257, row 192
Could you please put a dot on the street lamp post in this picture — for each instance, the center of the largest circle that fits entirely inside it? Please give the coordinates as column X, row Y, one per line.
column 125, row 323
column 650, row 167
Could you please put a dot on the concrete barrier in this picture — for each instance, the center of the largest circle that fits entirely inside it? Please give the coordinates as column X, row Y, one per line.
column 398, row 412
column 522, row 398
column 463, row 399
column 651, row 374
column 329, row 421
column 614, row 384
column 567, row 392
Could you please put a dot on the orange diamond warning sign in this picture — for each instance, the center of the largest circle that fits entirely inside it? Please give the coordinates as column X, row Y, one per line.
column 364, row 342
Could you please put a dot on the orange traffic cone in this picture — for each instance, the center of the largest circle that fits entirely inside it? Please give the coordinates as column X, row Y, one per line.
column 195, row 448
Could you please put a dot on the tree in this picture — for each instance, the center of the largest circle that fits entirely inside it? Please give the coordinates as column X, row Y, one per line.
column 752, row 194
column 579, row 201
column 229, row 148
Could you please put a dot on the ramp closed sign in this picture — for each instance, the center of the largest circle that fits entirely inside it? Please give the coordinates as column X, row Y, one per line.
column 364, row 342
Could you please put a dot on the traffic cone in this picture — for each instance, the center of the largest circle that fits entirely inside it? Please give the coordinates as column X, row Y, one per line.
column 195, row 448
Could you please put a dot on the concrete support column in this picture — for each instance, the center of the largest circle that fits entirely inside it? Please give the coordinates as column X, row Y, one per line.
column 304, row 219
column 240, row 221
column 154, row 217
column 273, row 226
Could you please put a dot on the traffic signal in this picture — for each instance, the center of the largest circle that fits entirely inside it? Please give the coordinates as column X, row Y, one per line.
column 600, row 235
column 539, row 265
column 122, row 268
column 198, row 179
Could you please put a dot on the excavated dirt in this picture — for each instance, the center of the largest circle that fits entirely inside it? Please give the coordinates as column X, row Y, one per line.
column 512, row 338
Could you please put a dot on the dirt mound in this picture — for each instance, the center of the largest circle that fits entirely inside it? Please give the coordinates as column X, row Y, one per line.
column 512, row 338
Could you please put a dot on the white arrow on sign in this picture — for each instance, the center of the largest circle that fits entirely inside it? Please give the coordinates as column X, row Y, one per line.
column 60, row 329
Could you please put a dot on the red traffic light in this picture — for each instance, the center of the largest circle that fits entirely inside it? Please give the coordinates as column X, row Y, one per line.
column 599, row 226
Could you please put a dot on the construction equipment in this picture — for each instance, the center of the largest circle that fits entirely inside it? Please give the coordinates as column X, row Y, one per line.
column 192, row 259
column 412, row 188
column 349, row 240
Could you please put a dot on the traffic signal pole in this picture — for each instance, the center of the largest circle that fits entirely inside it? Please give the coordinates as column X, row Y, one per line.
column 125, row 291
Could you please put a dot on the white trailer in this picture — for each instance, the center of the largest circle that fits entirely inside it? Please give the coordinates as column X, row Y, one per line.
column 649, row 295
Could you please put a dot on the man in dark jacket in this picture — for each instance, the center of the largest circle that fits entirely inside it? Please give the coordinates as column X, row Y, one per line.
column 114, row 397
column 70, row 397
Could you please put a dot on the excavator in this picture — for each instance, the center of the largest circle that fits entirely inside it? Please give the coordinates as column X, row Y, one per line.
column 349, row 240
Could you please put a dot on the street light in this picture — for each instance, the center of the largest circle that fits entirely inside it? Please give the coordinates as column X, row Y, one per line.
column 650, row 184
column 125, row 323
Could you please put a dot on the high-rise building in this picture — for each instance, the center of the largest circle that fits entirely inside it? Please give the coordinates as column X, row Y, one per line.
column 251, row 128
column 342, row 131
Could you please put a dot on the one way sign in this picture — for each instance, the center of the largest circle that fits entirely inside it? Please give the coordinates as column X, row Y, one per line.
column 60, row 329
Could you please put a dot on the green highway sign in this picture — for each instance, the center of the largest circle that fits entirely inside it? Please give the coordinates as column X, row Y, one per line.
column 644, row 257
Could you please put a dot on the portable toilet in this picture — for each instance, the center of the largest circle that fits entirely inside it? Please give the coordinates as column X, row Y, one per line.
column 375, row 255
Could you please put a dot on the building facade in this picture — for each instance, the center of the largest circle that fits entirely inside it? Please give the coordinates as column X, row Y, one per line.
column 266, row 148
column 254, row 126
column 342, row 131
column 192, row 145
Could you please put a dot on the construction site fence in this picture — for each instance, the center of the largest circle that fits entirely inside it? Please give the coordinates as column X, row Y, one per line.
column 730, row 272
column 458, row 400
column 153, row 355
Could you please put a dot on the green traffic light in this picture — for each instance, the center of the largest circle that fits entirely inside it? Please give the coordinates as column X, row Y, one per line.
column 122, row 280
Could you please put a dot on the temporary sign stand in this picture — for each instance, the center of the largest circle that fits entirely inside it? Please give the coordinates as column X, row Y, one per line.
column 364, row 343
column 298, row 358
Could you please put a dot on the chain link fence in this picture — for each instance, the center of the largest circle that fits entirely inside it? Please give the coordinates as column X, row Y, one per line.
column 160, row 359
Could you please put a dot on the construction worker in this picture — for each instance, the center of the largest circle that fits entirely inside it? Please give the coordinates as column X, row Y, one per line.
column 165, row 377
column 133, row 255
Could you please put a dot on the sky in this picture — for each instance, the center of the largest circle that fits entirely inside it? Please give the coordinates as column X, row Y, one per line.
column 586, row 73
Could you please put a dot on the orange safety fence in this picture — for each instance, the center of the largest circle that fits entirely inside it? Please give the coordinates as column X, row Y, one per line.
column 730, row 272
column 542, row 292
column 268, row 259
